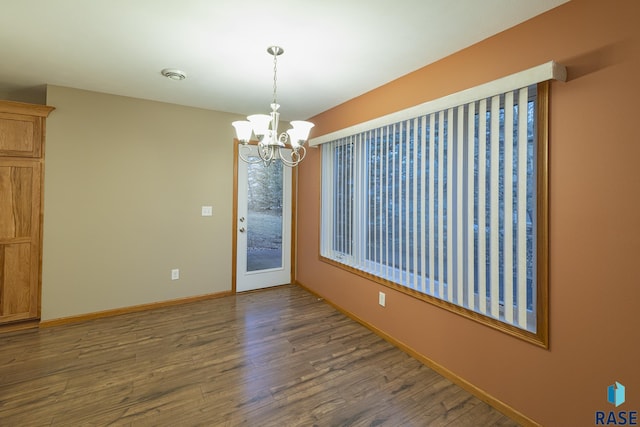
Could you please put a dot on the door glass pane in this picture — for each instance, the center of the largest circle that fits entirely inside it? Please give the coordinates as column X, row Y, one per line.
column 264, row 216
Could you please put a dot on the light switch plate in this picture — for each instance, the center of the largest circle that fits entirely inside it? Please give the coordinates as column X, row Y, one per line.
column 207, row 211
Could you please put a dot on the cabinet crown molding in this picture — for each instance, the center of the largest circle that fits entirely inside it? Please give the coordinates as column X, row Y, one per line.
column 24, row 108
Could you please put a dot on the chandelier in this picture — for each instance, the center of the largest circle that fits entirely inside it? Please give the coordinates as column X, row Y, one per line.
column 287, row 147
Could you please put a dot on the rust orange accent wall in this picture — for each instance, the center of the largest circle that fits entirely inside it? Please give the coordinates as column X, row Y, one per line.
column 594, row 205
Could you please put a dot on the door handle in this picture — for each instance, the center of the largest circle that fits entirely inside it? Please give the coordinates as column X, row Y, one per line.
column 242, row 229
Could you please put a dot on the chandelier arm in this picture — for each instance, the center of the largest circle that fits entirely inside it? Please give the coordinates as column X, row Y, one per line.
column 304, row 153
column 288, row 163
column 246, row 159
column 267, row 153
column 295, row 156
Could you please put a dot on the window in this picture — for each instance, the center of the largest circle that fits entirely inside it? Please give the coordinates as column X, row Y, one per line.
column 448, row 206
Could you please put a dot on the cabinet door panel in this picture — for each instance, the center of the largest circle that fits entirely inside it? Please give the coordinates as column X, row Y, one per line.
column 16, row 290
column 20, row 135
column 16, row 196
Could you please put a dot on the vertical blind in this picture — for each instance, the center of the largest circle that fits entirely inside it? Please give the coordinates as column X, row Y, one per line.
column 442, row 203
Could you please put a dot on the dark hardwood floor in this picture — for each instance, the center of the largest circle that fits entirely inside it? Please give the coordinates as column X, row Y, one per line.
column 278, row 357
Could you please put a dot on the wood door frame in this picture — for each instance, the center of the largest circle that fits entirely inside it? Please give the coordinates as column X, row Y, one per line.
column 234, row 218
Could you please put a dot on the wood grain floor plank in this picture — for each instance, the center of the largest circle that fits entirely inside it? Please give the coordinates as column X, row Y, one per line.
column 278, row 357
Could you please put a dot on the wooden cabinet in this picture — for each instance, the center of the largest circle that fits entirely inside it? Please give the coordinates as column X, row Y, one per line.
column 21, row 165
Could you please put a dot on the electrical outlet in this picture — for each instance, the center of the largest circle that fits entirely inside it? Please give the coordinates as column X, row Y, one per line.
column 207, row 210
column 175, row 274
column 382, row 298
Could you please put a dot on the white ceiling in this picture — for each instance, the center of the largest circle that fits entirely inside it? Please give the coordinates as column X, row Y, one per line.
column 334, row 49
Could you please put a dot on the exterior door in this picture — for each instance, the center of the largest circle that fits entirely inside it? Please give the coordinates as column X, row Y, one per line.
column 263, row 226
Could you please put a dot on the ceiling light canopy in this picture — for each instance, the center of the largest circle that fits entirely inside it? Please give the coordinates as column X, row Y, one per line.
column 287, row 147
column 173, row 74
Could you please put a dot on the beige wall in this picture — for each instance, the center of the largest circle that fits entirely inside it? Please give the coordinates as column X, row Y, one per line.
column 124, row 183
column 594, row 212
column 32, row 95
